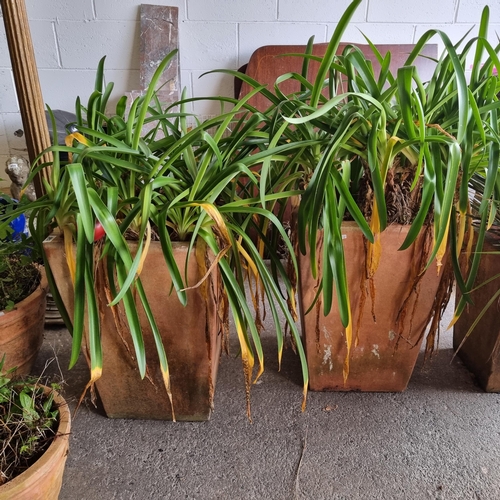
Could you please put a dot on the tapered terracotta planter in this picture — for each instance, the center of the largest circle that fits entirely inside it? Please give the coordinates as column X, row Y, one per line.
column 190, row 335
column 21, row 331
column 481, row 350
column 43, row 480
column 387, row 347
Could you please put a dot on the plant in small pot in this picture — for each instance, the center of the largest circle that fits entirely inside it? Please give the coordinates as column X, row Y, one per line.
column 22, row 294
column 385, row 162
column 35, row 425
column 151, row 252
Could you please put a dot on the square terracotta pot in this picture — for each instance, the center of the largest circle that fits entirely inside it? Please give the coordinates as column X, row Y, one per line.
column 387, row 349
column 481, row 350
column 191, row 336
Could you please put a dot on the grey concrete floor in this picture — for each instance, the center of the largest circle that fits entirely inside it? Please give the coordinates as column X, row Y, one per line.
column 438, row 440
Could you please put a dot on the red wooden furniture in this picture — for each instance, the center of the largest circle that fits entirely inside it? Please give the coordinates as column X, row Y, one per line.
column 269, row 62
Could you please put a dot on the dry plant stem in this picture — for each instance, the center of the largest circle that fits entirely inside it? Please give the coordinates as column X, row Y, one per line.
column 416, row 274
column 441, row 301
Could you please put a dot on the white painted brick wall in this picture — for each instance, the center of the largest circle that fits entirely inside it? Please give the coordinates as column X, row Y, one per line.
column 267, row 33
column 44, row 42
column 3, row 144
column 61, row 89
column 318, row 11
column 8, row 101
column 12, row 122
column 83, row 44
column 210, row 85
column 381, row 32
column 4, row 148
column 129, row 9
column 421, row 11
column 78, row 10
column 208, row 45
column 232, row 10
column 70, row 36
column 469, row 11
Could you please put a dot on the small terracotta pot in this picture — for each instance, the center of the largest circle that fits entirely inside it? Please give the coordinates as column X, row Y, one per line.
column 190, row 335
column 43, row 480
column 21, row 331
column 387, row 348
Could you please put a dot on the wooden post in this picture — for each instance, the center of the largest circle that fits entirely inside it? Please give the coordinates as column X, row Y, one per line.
column 28, row 89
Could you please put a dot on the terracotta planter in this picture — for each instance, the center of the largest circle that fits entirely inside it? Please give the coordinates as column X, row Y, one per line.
column 387, row 350
column 43, row 480
column 190, row 336
column 481, row 350
column 21, row 331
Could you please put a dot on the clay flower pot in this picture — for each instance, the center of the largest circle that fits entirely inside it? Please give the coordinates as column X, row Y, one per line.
column 387, row 348
column 43, row 480
column 480, row 352
column 190, row 335
column 21, row 330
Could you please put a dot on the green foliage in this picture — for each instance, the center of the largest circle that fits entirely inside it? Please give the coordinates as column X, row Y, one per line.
column 359, row 132
column 19, row 273
column 146, row 175
column 28, row 422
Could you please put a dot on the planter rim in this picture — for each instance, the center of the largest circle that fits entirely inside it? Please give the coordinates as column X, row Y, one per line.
column 7, row 317
column 42, row 466
column 57, row 235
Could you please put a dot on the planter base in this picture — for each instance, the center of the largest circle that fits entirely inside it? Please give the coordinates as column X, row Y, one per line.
column 190, row 335
column 480, row 352
column 387, row 349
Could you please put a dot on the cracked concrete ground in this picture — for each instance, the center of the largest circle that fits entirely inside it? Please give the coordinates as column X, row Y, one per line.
column 438, row 440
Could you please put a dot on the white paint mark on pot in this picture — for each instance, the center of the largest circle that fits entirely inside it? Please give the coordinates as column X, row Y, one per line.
column 392, row 335
column 326, row 333
column 327, row 356
column 375, row 351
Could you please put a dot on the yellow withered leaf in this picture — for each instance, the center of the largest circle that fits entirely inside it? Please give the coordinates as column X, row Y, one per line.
column 442, row 249
column 374, row 249
column 75, row 136
column 166, row 382
column 145, row 250
column 461, row 230
column 68, row 251
column 247, row 359
column 348, row 339
column 95, row 375
column 217, row 218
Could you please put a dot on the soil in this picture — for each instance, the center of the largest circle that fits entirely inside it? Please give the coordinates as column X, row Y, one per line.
column 401, row 201
column 19, row 278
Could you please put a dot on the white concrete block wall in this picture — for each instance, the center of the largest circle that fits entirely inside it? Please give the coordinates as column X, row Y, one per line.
column 70, row 36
